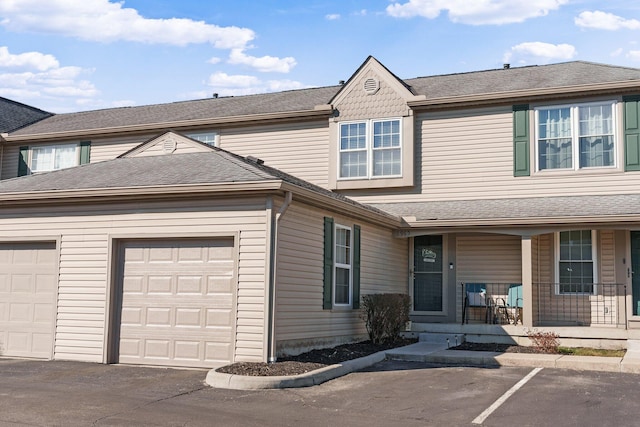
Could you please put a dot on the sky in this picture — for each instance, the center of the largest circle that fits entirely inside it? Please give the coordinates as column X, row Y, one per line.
column 76, row 55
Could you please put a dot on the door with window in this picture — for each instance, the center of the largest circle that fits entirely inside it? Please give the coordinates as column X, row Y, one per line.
column 635, row 272
column 427, row 274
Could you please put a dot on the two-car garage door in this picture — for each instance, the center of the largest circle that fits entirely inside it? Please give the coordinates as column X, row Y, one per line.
column 28, row 280
column 177, row 302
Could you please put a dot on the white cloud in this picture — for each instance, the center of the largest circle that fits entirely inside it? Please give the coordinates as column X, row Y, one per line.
column 236, row 85
column 39, row 77
column 214, row 60
column 540, row 51
column 27, row 60
column 634, row 55
column 263, row 63
column 617, row 52
column 479, row 12
column 105, row 21
column 605, row 21
column 332, row 16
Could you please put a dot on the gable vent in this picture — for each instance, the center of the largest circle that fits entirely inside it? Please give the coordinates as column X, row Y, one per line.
column 371, row 86
column 169, row 145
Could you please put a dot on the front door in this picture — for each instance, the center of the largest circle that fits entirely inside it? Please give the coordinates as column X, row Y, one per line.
column 635, row 268
column 427, row 274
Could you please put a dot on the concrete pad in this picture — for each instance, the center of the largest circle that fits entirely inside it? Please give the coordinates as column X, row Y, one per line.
column 415, row 352
column 590, row 363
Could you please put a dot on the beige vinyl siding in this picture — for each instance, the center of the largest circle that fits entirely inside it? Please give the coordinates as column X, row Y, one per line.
column 84, row 250
column 300, row 318
column 109, row 148
column 607, row 261
column 468, row 154
column 489, row 258
column 300, row 149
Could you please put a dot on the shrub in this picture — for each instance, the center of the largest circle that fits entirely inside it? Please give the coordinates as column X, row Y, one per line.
column 385, row 315
column 546, row 342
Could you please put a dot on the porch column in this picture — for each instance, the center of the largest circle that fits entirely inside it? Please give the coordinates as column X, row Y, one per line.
column 527, row 283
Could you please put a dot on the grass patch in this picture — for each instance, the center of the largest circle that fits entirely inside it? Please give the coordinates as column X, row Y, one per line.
column 584, row 351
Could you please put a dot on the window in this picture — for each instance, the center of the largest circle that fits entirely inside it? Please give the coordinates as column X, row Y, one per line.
column 44, row 158
column 209, row 138
column 53, row 157
column 341, row 278
column 342, row 265
column 370, row 149
column 576, row 136
column 576, row 262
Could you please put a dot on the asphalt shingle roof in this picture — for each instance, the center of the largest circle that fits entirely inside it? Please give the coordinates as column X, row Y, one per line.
column 518, row 209
column 216, row 167
column 14, row 115
column 434, row 87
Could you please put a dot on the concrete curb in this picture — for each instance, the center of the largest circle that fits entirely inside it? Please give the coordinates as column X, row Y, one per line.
column 629, row 364
column 244, row 382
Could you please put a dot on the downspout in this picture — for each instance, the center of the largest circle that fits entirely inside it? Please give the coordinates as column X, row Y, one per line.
column 271, row 338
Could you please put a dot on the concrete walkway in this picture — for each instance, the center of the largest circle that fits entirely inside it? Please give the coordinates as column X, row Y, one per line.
column 438, row 354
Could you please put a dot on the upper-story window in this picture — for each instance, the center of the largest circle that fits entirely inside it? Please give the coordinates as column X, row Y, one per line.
column 52, row 157
column 209, row 138
column 45, row 158
column 576, row 136
column 370, row 149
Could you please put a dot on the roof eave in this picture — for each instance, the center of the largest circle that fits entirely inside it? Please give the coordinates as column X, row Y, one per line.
column 320, row 111
column 528, row 95
column 139, row 193
column 517, row 222
column 355, row 210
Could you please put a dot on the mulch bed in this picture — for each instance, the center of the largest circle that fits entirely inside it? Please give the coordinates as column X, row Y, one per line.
column 316, row 359
column 312, row 360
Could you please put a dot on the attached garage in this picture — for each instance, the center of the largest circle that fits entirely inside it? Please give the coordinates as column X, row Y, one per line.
column 28, row 283
column 176, row 302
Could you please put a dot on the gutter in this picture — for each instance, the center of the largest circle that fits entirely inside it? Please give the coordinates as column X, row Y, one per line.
column 271, row 335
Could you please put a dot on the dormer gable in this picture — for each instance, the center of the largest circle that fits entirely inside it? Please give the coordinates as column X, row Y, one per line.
column 372, row 131
column 373, row 91
column 167, row 143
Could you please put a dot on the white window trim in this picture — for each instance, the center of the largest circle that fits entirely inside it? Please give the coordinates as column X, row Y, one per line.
column 369, row 149
column 54, row 146
column 216, row 137
column 575, row 153
column 594, row 257
column 337, row 265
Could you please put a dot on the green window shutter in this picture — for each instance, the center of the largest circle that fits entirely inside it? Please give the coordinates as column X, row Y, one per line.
column 356, row 266
column 521, row 161
column 23, row 165
column 631, row 133
column 85, row 152
column 327, row 294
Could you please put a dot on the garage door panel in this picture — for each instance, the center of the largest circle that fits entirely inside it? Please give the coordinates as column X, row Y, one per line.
column 177, row 302
column 27, row 298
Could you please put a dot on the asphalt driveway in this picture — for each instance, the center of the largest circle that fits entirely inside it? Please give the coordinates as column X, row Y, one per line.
column 387, row 394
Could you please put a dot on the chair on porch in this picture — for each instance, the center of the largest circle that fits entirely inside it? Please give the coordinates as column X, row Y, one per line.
column 476, row 297
column 509, row 311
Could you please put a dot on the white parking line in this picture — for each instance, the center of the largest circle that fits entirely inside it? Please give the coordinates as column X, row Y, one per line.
column 483, row 416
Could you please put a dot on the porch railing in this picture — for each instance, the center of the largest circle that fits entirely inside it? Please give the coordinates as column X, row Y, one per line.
column 554, row 304
column 576, row 304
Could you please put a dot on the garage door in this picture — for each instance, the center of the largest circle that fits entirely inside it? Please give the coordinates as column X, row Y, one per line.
column 177, row 306
column 28, row 283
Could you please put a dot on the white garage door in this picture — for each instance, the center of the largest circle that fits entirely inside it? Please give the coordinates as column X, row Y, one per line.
column 178, row 303
column 27, row 299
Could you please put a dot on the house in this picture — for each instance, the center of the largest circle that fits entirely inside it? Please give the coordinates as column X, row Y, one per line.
column 205, row 232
